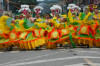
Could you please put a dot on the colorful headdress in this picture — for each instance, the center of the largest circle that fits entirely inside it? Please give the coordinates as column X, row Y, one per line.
column 70, row 6
column 73, row 7
column 38, row 9
column 24, row 9
column 91, row 7
column 56, row 9
column 52, row 10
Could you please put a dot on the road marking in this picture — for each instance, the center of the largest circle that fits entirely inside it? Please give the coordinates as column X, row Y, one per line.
column 82, row 64
column 1, row 52
column 33, row 58
column 14, row 51
column 89, row 62
column 95, row 48
column 11, row 52
column 80, row 51
column 51, row 60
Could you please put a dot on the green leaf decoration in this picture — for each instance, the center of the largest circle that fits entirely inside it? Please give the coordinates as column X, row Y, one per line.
column 29, row 24
column 16, row 24
column 90, row 17
column 82, row 16
column 70, row 36
column 25, row 24
column 8, row 22
column 75, row 23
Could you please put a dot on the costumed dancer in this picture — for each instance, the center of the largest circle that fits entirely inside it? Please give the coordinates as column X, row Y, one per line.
column 96, row 18
column 86, row 32
column 58, row 35
column 7, row 33
column 24, row 9
column 37, row 11
column 53, row 34
column 31, row 37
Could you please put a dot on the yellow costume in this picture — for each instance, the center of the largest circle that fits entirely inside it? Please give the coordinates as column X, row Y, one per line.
column 97, row 17
column 3, row 25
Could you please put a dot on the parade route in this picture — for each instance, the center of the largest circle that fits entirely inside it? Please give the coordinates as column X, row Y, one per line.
column 49, row 32
column 59, row 57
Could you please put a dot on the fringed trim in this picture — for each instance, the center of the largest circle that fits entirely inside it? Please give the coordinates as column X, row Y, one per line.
column 32, row 44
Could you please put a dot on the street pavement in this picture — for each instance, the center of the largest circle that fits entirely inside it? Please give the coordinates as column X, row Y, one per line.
column 58, row 57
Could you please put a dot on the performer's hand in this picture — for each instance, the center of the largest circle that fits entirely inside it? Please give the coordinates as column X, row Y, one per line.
column 32, row 21
column 13, row 21
column 95, row 19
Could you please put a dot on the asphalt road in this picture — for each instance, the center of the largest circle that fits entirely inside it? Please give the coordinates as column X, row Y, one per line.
column 60, row 57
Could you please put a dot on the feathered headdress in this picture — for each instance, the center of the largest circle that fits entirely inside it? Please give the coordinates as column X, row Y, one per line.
column 56, row 9
column 91, row 7
column 38, row 9
column 24, row 9
column 72, row 7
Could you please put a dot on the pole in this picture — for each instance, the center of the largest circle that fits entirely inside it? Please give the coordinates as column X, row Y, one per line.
column 1, row 4
column 8, row 5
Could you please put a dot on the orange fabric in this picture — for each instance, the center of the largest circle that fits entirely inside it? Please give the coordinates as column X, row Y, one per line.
column 86, row 32
column 24, row 36
column 10, row 37
column 35, row 34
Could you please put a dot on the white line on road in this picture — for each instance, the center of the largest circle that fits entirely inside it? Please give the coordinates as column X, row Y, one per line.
column 1, row 52
column 81, row 51
column 82, row 64
column 33, row 58
column 14, row 51
column 51, row 60
column 11, row 52
column 95, row 48
column 89, row 62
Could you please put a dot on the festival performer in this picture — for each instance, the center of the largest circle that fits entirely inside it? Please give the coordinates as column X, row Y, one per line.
column 86, row 11
column 48, row 19
column 24, row 9
column 75, row 16
column 39, row 19
column 16, row 17
column 7, row 33
column 29, row 17
column 4, row 27
column 96, row 16
column 58, row 18
column 24, row 18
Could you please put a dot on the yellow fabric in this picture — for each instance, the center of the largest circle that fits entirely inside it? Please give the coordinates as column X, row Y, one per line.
column 85, row 21
column 26, row 45
column 3, row 25
column 16, row 20
column 29, row 45
column 41, row 25
column 21, row 25
column 33, row 44
column 95, row 16
column 70, row 16
column 12, row 24
column 38, row 20
column 65, row 16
